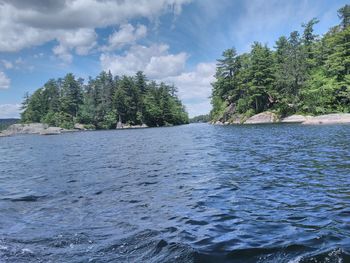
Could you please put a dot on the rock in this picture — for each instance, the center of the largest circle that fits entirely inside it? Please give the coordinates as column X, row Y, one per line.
column 295, row 119
column 263, row 117
column 119, row 125
column 226, row 123
column 51, row 131
column 139, row 126
column 236, row 119
column 229, row 111
column 218, row 123
column 79, row 126
column 128, row 126
column 337, row 118
column 31, row 128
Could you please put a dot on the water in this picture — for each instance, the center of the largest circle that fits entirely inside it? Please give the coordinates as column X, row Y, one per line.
column 195, row 193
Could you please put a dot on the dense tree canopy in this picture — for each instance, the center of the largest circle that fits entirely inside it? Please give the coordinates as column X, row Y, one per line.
column 304, row 73
column 104, row 101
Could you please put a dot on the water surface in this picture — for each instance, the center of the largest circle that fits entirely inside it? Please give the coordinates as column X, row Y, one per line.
column 194, row 193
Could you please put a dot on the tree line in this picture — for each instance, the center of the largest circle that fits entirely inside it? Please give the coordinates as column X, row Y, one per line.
column 5, row 123
column 304, row 73
column 104, row 101
column 200, row 118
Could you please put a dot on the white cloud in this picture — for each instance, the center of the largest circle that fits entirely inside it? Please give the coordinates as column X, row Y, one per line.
column 81, row 41
column 10, row 111
column 195, row 84
column 155, row 61
column 128, row 34
column 63, row 53
column 198, row 108
column 195, row 88
column 30, row 23
column 7, row 64
column 158, row 64
column 4, row 81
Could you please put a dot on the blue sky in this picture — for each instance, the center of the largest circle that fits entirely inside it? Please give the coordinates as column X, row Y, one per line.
column 176, row 41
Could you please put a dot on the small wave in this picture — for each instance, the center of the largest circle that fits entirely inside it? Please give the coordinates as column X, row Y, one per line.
column 25, row 198
column 336, row 255
column 147, row 246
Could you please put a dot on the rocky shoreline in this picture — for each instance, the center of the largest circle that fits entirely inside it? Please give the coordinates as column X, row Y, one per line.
column 270, row 117
column 34, row 128
column 261, row 118
column 44, row 129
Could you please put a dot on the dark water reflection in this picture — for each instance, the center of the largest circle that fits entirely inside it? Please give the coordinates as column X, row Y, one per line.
column 195, row 193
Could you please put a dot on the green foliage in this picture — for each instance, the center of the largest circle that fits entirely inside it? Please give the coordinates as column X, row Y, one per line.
column 303, row 74
column 5, row 123
column 219, row 106
column 103, row 102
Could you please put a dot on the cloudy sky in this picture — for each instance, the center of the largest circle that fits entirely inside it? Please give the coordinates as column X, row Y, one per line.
column 176, row 41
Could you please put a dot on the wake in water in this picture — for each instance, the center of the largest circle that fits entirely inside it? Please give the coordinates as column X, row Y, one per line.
column 147, row 247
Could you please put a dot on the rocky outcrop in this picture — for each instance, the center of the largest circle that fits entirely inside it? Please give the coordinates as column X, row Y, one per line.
column 295, row 119
column 218, row 123
column 119, row 125
column 80, row 127
column 236, row 119
column 263, row 117
column 128, row 126
column 52, row 131
column 337, row 118
column 32, row 128
column 229, row 111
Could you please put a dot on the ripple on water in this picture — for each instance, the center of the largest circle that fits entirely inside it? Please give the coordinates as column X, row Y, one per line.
column 196, row 193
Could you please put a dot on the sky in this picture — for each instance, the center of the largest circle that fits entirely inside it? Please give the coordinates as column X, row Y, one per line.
column 174, row 41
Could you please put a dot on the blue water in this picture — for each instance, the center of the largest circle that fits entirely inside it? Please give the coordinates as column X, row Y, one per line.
column 194, row 193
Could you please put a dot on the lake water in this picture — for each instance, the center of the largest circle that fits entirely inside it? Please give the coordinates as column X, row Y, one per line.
column 194, row 193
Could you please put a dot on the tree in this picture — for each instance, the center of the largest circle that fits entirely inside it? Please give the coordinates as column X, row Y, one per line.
column 71, row 95
column 261, row 75
column 344, row 15
column 103, row 100
column 307, row 74
column 308, row 40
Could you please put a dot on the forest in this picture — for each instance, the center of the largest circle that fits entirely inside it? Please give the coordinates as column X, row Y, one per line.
column 303, row 74
column 5, row 123
column 103, row 101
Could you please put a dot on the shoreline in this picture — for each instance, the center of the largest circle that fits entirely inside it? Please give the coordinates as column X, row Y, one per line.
column 45, row 130
column 271, row 118
column 261, row 118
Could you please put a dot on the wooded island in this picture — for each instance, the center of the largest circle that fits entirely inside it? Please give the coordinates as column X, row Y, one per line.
column 103, row 102
column 304, row 74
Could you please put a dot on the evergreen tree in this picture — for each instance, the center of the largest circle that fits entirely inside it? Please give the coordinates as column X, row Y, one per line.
column 71, row 95
column 308, row 74
column 103, row 101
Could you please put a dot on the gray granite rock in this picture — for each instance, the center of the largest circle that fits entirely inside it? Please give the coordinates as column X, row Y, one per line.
column 295, row 119
column 263, row 117
column 336, row 118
